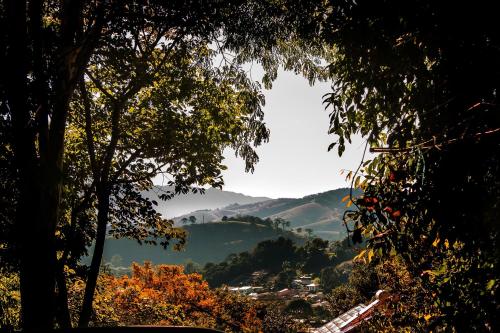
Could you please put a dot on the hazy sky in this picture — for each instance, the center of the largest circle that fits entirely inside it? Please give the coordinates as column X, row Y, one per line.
column 295, row 162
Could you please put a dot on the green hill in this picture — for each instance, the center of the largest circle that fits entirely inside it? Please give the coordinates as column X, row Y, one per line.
column 208, row 242
column 320, row 212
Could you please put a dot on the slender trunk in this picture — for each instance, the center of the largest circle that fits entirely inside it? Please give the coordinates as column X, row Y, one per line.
column 103, row 200
column 103, row 194
column 63, row 315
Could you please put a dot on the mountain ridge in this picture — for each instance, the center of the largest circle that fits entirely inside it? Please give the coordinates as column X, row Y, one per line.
column 184, row 203
column 321, row 212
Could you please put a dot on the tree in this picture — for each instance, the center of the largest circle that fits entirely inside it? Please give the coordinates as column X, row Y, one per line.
column 47, row 50
column 285, row 276
column 299, row 308
column 314, row 255
column 161, row 91
column 286, row 224
column 278, row 221
column 342, row 299
column 42, row 65
column 421, row 87
column 275, row 320
column 330, row 278
column 184, row 220
column 165, row 295
column 272, row 253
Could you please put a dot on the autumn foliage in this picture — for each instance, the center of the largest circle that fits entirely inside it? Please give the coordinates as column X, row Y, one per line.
column 165, row 295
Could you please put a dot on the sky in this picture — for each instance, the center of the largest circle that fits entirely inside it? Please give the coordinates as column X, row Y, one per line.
column 295, row 162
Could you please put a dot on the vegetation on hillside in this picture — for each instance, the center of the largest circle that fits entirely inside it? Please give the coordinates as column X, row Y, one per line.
column 98, row 97
column 281, row 259
column 209, row 242
column 321, row 212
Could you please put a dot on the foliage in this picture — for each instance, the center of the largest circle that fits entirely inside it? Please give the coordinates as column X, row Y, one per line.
column 277, row 223
column 165, row 295
column 421, row 86
column 10, row 301
column 281, row 258
column 331, row 277
column 315, row 255
column 342, row 299
column 275, row 321
column 410, row 307
column 60, row 58
column 299, row 308
column 360, row 287
column 208, row 242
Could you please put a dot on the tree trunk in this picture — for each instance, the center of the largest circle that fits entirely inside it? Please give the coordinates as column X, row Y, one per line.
column 32, row 233
column 63, row 315
column 39, row 168
column 103, row 194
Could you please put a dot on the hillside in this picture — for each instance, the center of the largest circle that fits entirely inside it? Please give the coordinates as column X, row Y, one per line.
column 209, row 242
column 320, row 212
column 211, row 199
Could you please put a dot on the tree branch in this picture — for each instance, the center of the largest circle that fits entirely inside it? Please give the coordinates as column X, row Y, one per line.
column 88, row 129
column 432, row 143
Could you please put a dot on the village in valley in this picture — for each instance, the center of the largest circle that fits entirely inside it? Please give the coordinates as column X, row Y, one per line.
column 308, row 289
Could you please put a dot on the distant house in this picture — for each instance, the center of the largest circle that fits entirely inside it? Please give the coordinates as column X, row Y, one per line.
column 315, row 297
column 312, row 287
column 258, row 275
column 306, row 279
column 285, row 293
column 245, row 290
column 267, row 296
column 299, row 284
column 351, row 319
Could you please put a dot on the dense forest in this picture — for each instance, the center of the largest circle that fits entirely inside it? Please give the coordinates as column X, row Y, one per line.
column 97, row 97
column 281, row 259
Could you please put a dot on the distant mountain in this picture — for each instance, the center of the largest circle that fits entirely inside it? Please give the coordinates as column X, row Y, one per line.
column 213, row 241
column 209, row 242
column 320, row 212
column 185, row 203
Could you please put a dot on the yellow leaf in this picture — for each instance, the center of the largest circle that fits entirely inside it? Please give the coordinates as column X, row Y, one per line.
column 490, row 284
column 436, row 242
column 446, row 244
column 346, row 197
column 349, row 203
column 427, row 317
column 370, row 255
column 360, row 256
column 429, row 272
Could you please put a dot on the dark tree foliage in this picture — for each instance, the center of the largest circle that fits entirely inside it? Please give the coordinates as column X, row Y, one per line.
column 361, row 286
column 46, row 48
column 299, row 308
column 420, row 80
column 315, row 256
column 281, row 258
